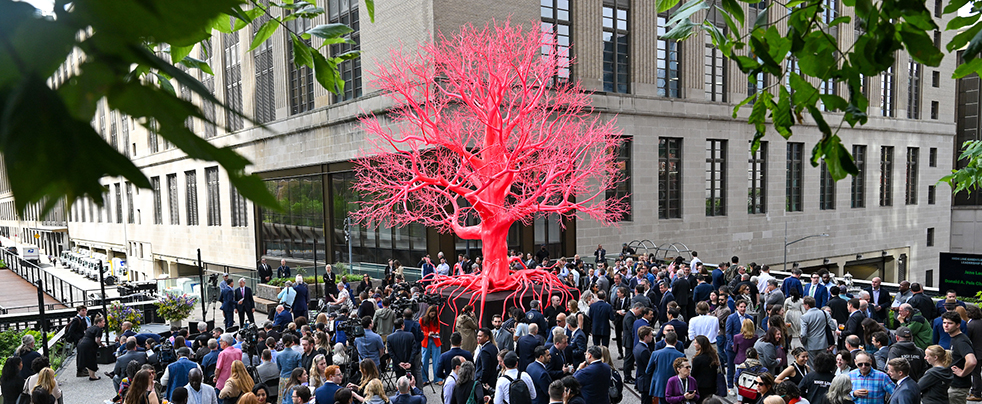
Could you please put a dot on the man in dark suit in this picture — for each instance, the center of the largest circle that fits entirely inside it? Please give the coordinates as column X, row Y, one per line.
column 455, row 350
column 486, row 360
column 601, row 313
column 627, row 325
column 621, row 304
column 400, row 348
column 907, row 390
column 840, row 309
column 880, row 301
column 559, row 355
column 667, row 296
column 640, row 296
column 265, row 271
column 131, row 355
column 921, row 302
column 408, row 393
column 642, row 353
column 244, row 304
column 540, row 375
column 681, row 328
column 534, row 316
column 525, row 347
column 228, row 304
column 854, row 324
column 594, row 377
column 577, row 340
column 682, row 291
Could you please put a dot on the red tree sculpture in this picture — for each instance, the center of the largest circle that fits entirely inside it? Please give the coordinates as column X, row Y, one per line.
column 482, row 126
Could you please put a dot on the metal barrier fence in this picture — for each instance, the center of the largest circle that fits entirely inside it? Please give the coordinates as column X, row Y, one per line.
column 61, row 290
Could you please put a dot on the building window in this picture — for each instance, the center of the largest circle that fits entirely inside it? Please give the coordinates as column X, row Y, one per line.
column 233, row 82
column 932, row 157
column 172, row 199
column 208, row 108
column 914, row 90
column 826, row 192
column 934, row 109
column 911, row 192
column 129, row 204
column 152, row 138
column 931, row 194
column 668, row 61
column 158, row 212
column 240, row 216
column 262, row 57
column 858, row 186
column 715, row 177
column 113, row 138
column 346, row 12
column 887, row 101
column 616, row 51
column 930, row 237
column 623, row 188
column 794, row 177
column 937, row 39
column 937, row 8
column 669, row 178
column 935, row 79
column 125, row 126
column 191, row 188
column 886, row 176
column 556, row 21
column 300, row 80
column 757, row 180
column 214, row 200
column 715, row 70
column 119, row 203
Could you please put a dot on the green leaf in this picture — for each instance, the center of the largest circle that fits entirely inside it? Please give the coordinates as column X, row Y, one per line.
column 301, row 52
column 921, row 46
column 961, row 39
column 349, row 55
column 687, row 9
column 967, row 68
column 823, row 126
column 840, row 20
column 370, row 7
column 745, row 101
column 974, row 46
column 30, row 43
column 199, row 64
column 681, row 31
column 330, row 31
column 177, row 53
column 762, row 17
column 665, row 5
column 959, row 22
column 839, row 161
column 735, row 9
column 954, row 5
column 175, row 22
column 804, row 92
column 782, row 114
column 833, row 102
column 713, row 31
column 327, row 74
column 263, row 33
column 164, row 83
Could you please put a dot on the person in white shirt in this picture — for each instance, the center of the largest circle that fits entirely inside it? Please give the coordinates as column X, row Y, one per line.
column 502, row 386
column 703, row 323
column 695, row 260
column 765, row 275
column 443, row 268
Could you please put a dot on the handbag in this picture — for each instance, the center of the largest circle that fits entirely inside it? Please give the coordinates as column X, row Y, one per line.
column 721, row 389
column 746, row 385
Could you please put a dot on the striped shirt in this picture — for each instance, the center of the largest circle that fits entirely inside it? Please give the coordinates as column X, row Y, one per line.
column 877, row 384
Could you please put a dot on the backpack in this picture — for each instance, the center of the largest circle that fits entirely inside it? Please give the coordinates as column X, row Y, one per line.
column 616, row 389
column 518, row 391
column 470, row 397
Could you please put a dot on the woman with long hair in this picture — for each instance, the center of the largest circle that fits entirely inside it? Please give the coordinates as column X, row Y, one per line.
column 369, row 372
column 705, row 367
column 430, row 325
column 870, row 327
column 46, row 380
column 936, row 380
column 322, row 341
column 375, row 393
column 605, row 355
column 798, row 368
column 793, row 310
column 744, row 340
column 840, row 390
column 316, row 373
column 11, row 382
column 682, row 387
column 467, row 386
column 140, row 387
column 297, row 378
column 767, row 349
column 238, row 383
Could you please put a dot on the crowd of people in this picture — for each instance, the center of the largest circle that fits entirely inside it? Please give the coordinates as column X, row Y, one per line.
column 685, row 334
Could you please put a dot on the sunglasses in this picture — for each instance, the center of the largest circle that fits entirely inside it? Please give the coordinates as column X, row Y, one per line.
column 863, row 364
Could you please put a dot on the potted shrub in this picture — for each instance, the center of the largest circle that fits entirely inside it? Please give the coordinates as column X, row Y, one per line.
column 175, row 307
column 117, row 314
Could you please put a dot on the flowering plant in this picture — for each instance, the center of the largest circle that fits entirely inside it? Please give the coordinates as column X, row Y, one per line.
column 118, row 314
column 175, row 307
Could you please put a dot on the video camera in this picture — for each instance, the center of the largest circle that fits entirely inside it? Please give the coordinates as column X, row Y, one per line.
column 352, row 328
column 249, row 335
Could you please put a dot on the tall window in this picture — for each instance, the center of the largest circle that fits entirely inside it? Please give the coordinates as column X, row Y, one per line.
column 667, row 64
column 214, row 201
column 208, row 80
column 616, row 53
column 300, row 80
column 914, row 90
column 113, row 138
column 886, row 176
column 911, row 189
column 346, row 12
column 152, row 138
column 826, row 192
column 240, row 216
column 756, row 82
column 624, row 165
column 715, row 69
column 233, row 82
column 715, row 177
column 556, row 21
column 125, row 124
column 129, row 204
column 887, row 85
column 669, row 178
column 119, row 203
column 262, row 57
column 794, row 177
column 158, row 213
column 858, row 187
column 172, row 199
column 191, row 189
column 757, row 180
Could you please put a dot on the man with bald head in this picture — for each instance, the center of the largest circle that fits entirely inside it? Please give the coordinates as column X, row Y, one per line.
column 880, row 301
column 198, row 392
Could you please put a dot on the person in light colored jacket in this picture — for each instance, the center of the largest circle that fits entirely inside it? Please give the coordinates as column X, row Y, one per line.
column 813, row 324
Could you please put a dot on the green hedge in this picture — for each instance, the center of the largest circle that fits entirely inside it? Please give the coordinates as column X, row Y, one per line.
column 10, row 340
column 310, row 279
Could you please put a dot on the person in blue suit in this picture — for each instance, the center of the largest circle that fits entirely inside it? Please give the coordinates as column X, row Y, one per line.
column 540, row 375
column 718, row 278
column 228, row 304
column 666, row 298
column 601, row 313
column 408, row 393
column 817, row 290
column 594, row 377
column 577, row 340
column 733, row 324
column 793, row 282
column 560, row 356
column 907, row 391
column 455, row 350
column 660, row 366
column 282, row 319
column 642, row 354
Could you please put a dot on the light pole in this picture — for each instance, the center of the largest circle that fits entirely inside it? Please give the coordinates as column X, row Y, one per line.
column 786, row 243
